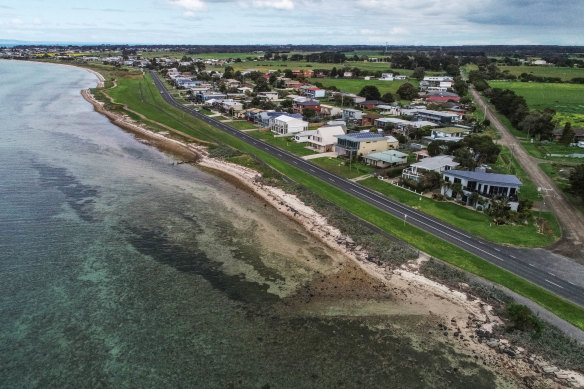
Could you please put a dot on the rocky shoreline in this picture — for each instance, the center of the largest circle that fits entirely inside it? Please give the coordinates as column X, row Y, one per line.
column 461, row 322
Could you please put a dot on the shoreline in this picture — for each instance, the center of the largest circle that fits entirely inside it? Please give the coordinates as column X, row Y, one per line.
column 435, row 299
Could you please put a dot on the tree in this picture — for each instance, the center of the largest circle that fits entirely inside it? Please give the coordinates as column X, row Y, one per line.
column 539, row 123
column 407, row 91
column 523, row 319
column 577, row 181
column 309, row 113
column 436, row 148
column 261, row 86
column 333, row 73
column 567, row 134
column 370, row 92
column 419, row 73
column 387, row 98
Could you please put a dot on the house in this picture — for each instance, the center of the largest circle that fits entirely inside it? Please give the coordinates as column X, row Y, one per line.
column 330, row 110
column 370, row 104
column 265, row 118
column 383, row 159
column 386, row 77
column 392, row 142
column 369, row 119
column 203, row 97
column 400, row 78
column 315, row 93
column 487, row 186
column 347, row 74
column 309, row 73
column 253, row 114
column 228, row 105
column 300, row 106
column 439, row 117
column 304, row 136
column 449, row 132
column 352, row 114
column 268, row 96
column 324, row 140
column 244, row 89
column 439, row 164
column 442, row 97
column 360, row 143
column 401, row 126
column 284, row 125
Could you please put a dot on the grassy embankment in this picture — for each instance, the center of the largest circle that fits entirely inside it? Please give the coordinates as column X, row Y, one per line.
column 155, row 108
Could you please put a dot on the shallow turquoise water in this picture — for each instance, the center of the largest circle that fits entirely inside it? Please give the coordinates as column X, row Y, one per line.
column 120, row 269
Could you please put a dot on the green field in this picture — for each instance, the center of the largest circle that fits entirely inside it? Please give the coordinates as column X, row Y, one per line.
column 566, row 74
column 343, row 167
column 355, row 85
column 566, row 99
column 151, row 104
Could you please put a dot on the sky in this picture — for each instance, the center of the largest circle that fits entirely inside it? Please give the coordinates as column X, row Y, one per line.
column 241, row 22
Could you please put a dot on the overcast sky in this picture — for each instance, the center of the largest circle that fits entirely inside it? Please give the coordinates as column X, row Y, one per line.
column 397, row 22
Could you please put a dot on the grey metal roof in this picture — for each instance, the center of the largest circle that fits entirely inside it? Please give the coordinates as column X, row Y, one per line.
column 362, row 136
column 489, row 178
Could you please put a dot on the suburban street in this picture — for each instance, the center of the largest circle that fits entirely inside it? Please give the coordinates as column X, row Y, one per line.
column 521, row 262
column 569, row 217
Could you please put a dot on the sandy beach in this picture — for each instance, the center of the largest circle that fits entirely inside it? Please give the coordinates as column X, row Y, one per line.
column 455, row 316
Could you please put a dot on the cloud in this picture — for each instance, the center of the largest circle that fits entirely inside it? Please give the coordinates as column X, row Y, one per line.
column 190, row 5
column 278, row 4
column 16, row 21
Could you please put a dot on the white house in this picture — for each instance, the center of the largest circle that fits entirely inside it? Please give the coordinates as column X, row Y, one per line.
column 352, row 114
column 324, row 140
column 284, row 125
column 386, row 77
column 439, row 164
column 487, row 186
column 304, row 136
column 383, row 159
column 449, row 132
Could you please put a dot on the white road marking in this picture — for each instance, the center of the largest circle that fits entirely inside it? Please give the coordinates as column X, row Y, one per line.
column 553, row 283
column 531, row 265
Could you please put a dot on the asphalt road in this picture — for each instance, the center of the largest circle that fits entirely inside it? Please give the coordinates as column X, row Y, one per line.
column 513, row 260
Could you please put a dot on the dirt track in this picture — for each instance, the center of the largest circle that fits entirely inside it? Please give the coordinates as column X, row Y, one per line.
column 571, row 221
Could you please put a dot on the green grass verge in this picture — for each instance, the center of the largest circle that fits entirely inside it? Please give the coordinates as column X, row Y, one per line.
column 284, row 143
column 424, row 241
column 475, row 222
column 342, row 167
column 243, row 125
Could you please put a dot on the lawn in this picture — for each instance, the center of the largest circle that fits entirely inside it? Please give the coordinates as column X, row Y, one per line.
column 342, row 167
column 476, row 223
column 559, row 173
column 566, row 74
column 283, row 143
column 566, row 99
column 155, row 108
column 542, row 149
column 242, row 125
column 355, row 85
column 507, row 164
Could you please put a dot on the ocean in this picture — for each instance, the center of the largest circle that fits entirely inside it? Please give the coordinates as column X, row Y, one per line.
column 120, row 268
